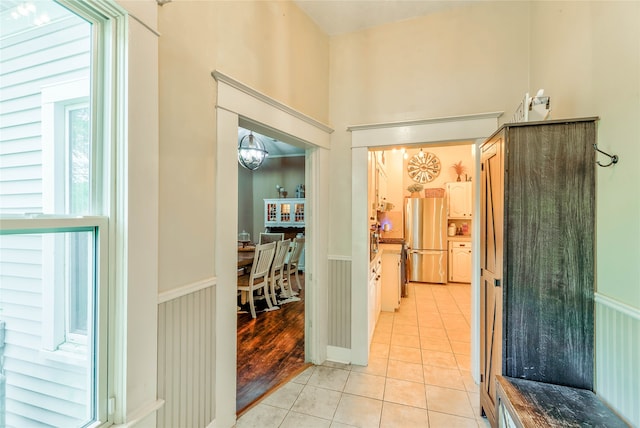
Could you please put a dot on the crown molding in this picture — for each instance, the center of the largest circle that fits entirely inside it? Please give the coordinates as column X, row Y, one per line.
column 221, row 77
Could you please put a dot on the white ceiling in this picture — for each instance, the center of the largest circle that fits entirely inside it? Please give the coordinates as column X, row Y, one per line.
column 344, row 16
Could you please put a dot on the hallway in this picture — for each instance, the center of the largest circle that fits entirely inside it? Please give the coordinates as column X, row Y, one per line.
column 418, row 374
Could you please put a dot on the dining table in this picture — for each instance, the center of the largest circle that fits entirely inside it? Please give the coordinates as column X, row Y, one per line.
column 245, row 256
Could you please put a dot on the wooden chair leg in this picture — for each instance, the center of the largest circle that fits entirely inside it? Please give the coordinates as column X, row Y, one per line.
column 273, row 290
column 265, row 287
column 252, row 306
column 267, row 294
column 298, row 280
column 286, row 292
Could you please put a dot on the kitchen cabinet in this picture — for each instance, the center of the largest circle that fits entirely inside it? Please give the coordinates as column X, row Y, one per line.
column 374, row 294
column 284, row 212
column 381, row 189
column 460, row 200
column 377, row 183
column 380, row 181
column 371, row 185
column 459, row 261
column 537, row 232
column 391, row 283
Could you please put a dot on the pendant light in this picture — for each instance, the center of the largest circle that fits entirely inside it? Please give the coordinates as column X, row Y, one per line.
column 251, row 152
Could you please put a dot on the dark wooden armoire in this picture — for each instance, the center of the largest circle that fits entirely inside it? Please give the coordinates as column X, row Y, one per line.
column 537, row 255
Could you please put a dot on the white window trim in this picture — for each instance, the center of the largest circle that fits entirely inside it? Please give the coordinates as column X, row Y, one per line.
column 110, row 82
column 54, row 100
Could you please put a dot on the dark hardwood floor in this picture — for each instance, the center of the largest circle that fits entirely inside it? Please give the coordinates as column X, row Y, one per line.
column 270, row 350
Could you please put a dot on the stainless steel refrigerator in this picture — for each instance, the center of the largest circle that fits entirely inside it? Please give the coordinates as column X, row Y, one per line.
column 425, row 222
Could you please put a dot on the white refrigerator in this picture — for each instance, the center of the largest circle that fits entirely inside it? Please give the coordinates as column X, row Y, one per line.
column 425, row 233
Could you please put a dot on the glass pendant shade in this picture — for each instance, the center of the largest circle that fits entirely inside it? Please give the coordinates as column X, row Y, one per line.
column 251, row 152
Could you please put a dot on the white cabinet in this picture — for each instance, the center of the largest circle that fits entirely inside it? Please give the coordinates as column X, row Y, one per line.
column 377, row 183
column 284, row 212
column 380, row 181
column 372, row 186
column 459, row 195
column 460, row 261
column 391, row 283
column 381, row 189
column 374, row 294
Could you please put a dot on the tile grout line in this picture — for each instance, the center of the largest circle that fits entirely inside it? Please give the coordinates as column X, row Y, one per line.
column 398, row 319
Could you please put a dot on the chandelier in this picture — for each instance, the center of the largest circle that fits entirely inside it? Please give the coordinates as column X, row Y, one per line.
column 251, row 152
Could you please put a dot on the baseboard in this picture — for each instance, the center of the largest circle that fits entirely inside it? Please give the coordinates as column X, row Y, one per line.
column 339, row 355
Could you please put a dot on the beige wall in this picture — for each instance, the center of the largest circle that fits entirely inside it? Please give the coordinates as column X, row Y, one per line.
column 588, row 60
column 269, row 45
column 448, row 155
column 462, row 61
column 485, row 57
column 479, row 58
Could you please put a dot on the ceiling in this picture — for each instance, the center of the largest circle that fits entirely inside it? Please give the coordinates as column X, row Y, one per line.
column 274, row 147
column 344, row 16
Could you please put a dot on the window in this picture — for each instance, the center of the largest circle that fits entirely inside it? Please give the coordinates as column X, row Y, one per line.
column 56, row 59
column 66, row 131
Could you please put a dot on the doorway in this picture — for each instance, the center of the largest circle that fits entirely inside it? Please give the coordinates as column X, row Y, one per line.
column 270, row 347
column 240, row 105
column 422, row 132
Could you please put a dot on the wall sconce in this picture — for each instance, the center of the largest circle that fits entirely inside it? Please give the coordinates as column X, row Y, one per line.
column 251, row 152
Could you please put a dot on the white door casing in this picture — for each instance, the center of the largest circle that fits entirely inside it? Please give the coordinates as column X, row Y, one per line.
column 238, row 104
column 438, row 131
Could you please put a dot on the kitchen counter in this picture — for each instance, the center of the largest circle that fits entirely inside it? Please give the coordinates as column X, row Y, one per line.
column 459, row 238
column 390, row 248
column 391, row 240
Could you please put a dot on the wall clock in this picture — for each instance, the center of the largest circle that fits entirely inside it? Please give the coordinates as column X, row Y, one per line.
column 423, row 167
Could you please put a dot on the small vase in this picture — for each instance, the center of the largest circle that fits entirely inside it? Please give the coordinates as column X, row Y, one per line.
column 458, row 178
column 415, row 194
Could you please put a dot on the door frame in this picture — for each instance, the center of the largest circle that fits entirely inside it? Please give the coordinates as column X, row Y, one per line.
column 438, row 131
column 240, row 105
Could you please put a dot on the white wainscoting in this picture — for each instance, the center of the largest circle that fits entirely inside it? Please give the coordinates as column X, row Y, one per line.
column 186, row 356
column 618, row 357
column 339, row 305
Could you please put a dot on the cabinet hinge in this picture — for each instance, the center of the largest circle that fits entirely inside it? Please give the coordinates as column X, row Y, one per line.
column 496, row 282
column 482, row 167
column 481, row 378
column 480, row 271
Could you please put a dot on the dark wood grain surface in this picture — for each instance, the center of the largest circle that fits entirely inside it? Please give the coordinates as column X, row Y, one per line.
column 549, row 240
column 270, row 351
column 537, row 404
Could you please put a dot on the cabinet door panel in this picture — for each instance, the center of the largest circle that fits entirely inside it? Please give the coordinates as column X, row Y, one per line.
column 491, row 344
column 491, row 206
column 460, row 199
column 549, row 248
column 491, row 209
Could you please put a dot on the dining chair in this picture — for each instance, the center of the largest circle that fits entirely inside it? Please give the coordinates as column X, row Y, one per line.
column 294, row 261
column 258, row 278
column 276, row 275
column 266, row 237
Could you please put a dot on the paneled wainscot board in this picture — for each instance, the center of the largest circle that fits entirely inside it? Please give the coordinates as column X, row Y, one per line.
column 618, row 356
column 339, row 302
column 186, row 357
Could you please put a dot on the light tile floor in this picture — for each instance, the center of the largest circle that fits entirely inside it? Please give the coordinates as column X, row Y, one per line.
column 418, row 374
